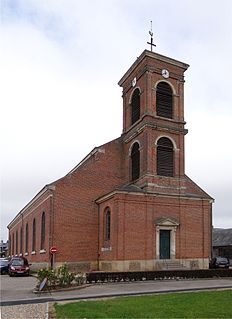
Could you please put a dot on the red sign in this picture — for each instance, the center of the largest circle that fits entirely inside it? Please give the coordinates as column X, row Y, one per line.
column 53, row 250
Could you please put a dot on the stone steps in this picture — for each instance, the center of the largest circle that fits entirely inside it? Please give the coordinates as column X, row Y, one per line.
column 171, row 265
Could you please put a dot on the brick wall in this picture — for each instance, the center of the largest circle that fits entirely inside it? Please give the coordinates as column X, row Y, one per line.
column 134, row 226
column 76, row 213
column 32, row 211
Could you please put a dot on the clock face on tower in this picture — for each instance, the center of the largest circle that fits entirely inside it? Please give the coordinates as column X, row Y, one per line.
column 165, row 73
column 133, row 83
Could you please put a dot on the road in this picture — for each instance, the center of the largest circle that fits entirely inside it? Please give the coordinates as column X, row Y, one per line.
column 19, row 290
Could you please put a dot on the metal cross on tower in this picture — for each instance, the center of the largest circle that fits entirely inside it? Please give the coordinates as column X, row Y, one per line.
column 151, row 43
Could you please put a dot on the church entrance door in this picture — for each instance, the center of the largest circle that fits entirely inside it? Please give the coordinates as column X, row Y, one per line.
column 164, row 244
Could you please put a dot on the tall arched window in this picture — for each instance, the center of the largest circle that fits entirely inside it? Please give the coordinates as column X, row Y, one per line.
column 26, row 239
column 16, row 248
column 135, row 106
column 21, row 240
column 135, row 162
column 42, row 242
column 107, row 224
column 34, row 235
column 13, row 244
column 164, row 100
column 165, row 157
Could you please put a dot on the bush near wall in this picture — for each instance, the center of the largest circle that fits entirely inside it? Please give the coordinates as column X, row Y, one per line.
column 94, row 277
column 60, row 277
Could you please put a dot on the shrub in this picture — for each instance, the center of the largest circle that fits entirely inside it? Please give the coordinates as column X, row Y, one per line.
column 64, row 276
column 59, row 277
column 50, row 274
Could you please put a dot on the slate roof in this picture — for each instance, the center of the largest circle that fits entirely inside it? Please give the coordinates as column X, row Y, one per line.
column 222, row 237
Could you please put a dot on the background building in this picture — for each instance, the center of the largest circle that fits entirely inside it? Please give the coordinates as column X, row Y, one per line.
column 128, row 205
column 222, row 243
column 3, row 248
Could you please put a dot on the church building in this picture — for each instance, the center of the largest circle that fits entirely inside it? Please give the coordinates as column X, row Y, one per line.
column 128, row 205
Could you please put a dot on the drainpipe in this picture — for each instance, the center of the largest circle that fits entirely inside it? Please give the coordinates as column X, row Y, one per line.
column 98, row 252
column 51, row 225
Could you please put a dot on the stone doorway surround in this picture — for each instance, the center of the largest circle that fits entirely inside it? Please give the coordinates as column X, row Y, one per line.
column 166, row 223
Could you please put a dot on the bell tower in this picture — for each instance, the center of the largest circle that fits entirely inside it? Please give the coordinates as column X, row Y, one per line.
column 153, row 122
column 159, row 214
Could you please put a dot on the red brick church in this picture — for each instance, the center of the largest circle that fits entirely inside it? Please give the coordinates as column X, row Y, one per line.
column 128, row 205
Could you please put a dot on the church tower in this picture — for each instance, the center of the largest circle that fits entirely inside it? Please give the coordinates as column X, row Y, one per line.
column 158, row 217
column 153, row 122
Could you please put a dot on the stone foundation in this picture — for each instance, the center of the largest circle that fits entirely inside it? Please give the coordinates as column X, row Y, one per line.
column 151, row 265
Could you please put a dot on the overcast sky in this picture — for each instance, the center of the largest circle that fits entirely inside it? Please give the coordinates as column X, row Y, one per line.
column 60, row 62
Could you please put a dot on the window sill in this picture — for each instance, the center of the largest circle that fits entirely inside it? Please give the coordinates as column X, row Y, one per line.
column 33, row 252
column 106, row 248
column 42, row 251
column 26, row 254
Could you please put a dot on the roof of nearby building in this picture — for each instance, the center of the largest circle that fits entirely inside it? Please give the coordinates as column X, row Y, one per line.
column 222, row 237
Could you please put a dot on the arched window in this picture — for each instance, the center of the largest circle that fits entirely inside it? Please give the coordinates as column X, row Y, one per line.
column 16, row 248
column 42, row 242
column 135, row 106
column 34, row 235
column 164, row 100
column 165, row 157
column 13, row 244
column 135, row 162
column 107, row 224
column 21, row 240
column 26, row 239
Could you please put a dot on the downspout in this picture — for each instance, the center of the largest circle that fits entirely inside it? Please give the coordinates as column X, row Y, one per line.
column 211, row 230
column 98, row 252
column 22, row 237
column 51, row 225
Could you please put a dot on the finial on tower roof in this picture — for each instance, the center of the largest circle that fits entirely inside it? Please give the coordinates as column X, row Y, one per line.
column 151, row 43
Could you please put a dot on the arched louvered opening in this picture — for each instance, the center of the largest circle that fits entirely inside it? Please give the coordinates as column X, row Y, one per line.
column 107, row 224
column 164, row 100
column 135, row 106
column 165, row 157
column 135, row 162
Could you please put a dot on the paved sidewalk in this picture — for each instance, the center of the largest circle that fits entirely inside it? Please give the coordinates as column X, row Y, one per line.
column 137, row 288
column 38, row 304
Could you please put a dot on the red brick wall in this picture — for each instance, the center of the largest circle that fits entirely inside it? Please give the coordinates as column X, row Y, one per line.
column 35, row 210
column 134, row 226
column 76, row 213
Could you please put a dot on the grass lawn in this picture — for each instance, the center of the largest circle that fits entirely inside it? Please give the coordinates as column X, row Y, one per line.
column 207, row 304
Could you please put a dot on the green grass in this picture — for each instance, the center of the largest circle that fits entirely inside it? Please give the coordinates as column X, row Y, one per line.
column 213, row 304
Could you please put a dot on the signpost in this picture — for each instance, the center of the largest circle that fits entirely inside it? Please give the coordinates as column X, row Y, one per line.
column 53, row 251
